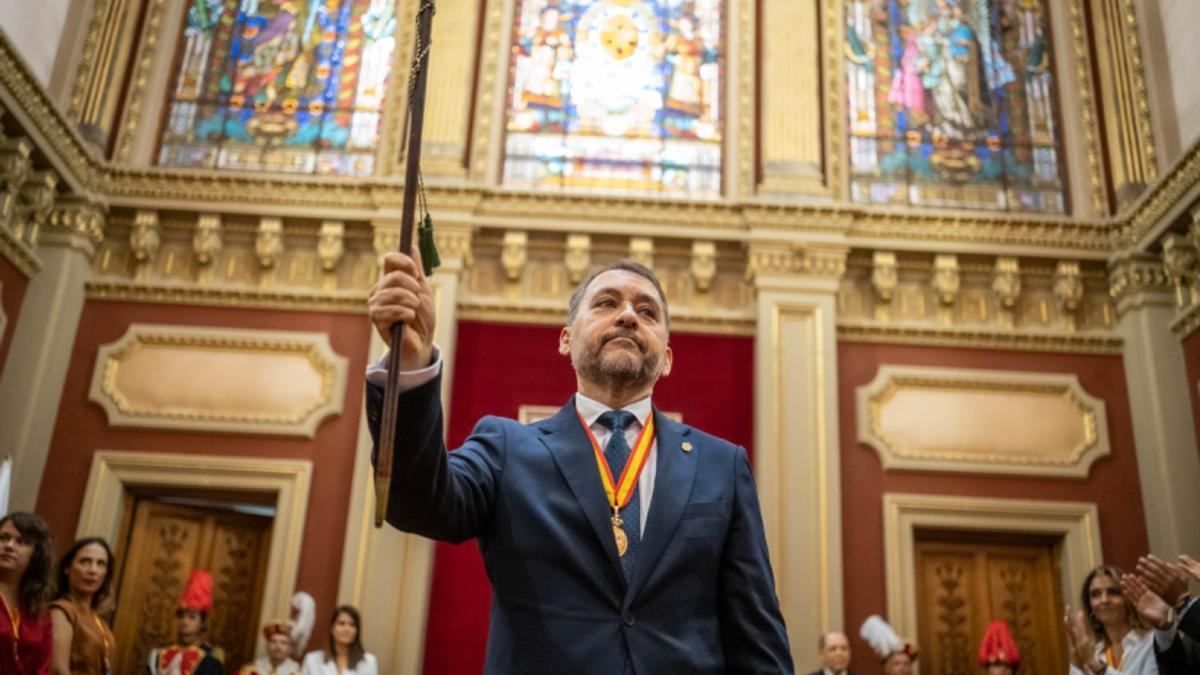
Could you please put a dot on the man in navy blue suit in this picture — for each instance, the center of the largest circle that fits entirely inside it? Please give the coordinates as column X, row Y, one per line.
column 616, row 540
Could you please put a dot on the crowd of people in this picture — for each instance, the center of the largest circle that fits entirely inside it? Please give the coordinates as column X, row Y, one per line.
column 1140, row 623
column 52, row 621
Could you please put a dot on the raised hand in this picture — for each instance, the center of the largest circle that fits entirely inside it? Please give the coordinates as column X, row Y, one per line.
column 1190, row 565
column 1168, row 581
column 1149, row 604
column 1080, row 645
column 403, row 295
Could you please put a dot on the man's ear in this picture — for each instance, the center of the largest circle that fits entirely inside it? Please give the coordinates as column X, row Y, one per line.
column 668, row 358
column 564, row 341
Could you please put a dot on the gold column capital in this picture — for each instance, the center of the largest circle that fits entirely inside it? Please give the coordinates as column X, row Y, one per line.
column 1138, row 279
column 770, row 261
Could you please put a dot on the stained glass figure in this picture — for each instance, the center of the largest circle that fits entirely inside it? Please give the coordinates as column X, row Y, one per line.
column 619, row 96
column 951, row 104
column 294, row 86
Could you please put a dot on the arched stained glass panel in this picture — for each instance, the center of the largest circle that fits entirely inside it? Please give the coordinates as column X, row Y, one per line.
column 294, row 86
column 619, row 96
column 951, row 103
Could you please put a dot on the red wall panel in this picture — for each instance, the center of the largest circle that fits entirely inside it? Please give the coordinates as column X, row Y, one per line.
column 1113, row 483
column 500, row 367
column 12, row 291
column 1191, row 357
column 82, row 429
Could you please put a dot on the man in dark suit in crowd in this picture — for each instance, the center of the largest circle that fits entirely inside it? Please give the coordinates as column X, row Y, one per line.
column 1159, row 590
column 835, row 654
column 616, row 540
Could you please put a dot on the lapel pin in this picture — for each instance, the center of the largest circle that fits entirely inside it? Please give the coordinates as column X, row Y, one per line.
column 687, row 447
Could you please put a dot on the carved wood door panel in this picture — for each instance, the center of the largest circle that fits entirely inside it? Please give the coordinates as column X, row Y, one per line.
column 962, row 586
column 165, row 542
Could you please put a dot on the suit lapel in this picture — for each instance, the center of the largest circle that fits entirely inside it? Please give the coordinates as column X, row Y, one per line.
column 564, row 436
column 672, row 489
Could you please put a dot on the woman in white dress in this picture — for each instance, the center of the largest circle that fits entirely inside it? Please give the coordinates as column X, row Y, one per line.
column 344, row 654
column 1108, row 636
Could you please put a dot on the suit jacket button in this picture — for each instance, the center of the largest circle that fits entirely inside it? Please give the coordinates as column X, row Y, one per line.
column 627, row 617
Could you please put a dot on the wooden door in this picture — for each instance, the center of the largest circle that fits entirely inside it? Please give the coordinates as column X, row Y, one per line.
column 963, row 585
column 164, row 543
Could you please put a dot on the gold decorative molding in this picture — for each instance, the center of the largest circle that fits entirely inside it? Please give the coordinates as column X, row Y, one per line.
column 488, row 109
column 344, row 302
column 974, row 338
column 1131, row 153
column 981, row 421
column 1075, row 524
column 1088, row 110
column 131, row 121
column 115, row 475
column 219, row 379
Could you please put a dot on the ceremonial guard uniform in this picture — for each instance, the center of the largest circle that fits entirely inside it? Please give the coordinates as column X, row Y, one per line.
column 896, row 654
column 198, row 658
column 999, row 649
column 262, row 666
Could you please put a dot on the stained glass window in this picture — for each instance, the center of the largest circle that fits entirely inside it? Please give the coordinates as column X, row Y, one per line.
column 951, row 104
column 294, row 86
column 620, row 96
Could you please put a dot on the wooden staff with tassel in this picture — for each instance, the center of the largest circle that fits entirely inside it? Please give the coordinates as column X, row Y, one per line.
column 413, row 190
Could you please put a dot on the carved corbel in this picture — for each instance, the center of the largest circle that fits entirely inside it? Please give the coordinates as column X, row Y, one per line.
column 884, row 275
column 704, row 264
column 946, row 280
column 1006, row 282
column 1181, row 262
column 578, row 256
column 641, row 250
column 35, row 201
column 385, row 238
column 15, row 165
column 145, row 238
column 268, row 242
column 331, row 244
column 207, row 242
column 1068, row 287
column 513, row 254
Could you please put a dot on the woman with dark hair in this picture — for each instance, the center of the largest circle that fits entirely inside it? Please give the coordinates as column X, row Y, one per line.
column 1111, row 637
column 26, row 584
column 83, row 643
column 345, row 654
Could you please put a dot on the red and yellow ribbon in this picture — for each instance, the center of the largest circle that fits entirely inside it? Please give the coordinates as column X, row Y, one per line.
column 621, row 491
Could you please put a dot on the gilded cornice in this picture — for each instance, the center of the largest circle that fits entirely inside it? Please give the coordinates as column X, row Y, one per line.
column 1139, row 279
column 1174, row 191
column 80, row 218
column 1187, row 322
column 55, row 137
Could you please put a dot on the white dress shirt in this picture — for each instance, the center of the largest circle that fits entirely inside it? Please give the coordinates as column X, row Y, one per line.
column 589, row 409
column 1163, row 638
column 315, row 664
column 1137, row 660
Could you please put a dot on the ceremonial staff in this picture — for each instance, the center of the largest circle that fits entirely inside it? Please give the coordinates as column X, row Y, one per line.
column 412, row 185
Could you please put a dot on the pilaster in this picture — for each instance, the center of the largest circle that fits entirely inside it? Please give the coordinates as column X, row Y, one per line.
column 1155, row 372
column 387, row 573
column 36, row 368
column 796, row 453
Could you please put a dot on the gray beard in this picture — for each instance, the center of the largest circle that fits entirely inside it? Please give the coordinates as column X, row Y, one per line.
column 615, row 371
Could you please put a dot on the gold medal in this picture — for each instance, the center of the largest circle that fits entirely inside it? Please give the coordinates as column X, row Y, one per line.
column 619, row 535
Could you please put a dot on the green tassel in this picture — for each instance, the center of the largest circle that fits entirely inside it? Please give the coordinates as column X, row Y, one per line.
column 429, row 253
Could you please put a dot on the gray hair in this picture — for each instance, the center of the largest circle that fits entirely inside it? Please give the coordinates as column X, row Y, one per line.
column 622, row 264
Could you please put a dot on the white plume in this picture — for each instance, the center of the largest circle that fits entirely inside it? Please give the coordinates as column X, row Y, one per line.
column 304, row 615
column 881, row 636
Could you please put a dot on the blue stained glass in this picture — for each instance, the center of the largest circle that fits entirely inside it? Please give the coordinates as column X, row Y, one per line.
column 275, row 85
column 951, row 103
column 619, row 96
